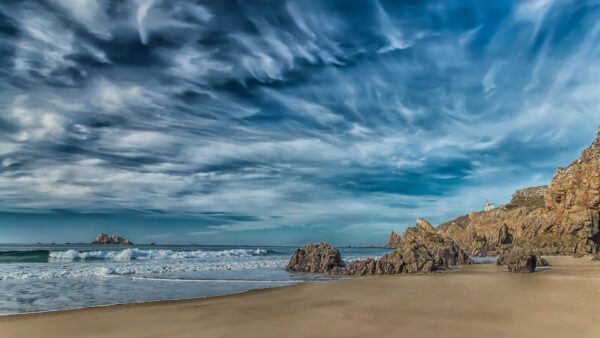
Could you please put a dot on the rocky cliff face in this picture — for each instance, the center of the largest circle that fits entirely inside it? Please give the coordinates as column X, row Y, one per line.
column 114, row 239
column 561, row 218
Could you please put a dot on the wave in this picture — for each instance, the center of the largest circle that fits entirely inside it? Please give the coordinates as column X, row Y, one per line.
column 43, row 256
column 131, row 254
column 29, row 256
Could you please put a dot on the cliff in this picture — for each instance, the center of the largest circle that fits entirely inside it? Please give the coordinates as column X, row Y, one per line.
column 561, row 218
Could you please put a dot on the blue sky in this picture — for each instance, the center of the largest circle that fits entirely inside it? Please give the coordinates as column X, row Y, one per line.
column 283, row 122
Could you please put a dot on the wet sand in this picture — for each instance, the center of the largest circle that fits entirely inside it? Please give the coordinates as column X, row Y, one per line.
column 474, row 301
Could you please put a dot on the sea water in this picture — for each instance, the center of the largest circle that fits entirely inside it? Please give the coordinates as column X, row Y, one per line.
column 36, row 278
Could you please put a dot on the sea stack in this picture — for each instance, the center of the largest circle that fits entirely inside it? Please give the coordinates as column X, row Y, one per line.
column 113, row 240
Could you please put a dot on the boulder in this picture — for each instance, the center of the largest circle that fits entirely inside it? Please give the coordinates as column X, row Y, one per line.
column 518, row 260
column 596, row 258
column 113, row 240
column 315, row 258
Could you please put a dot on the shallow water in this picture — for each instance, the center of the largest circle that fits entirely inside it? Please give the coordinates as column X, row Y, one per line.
column 36, row 278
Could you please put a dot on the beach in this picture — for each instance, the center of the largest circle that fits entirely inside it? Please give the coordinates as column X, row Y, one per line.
column 482, row 300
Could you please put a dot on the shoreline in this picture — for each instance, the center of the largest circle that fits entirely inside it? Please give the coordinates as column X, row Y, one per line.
column 482, row 299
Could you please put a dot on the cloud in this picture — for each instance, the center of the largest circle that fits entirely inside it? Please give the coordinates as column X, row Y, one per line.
column 331, row 116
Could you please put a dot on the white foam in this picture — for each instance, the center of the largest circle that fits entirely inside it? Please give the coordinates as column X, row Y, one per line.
column 130, row 254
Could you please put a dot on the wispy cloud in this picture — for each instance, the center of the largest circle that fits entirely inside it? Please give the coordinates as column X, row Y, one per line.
column 328, row 115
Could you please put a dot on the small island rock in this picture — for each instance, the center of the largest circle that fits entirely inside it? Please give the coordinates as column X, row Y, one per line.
column 114, row 239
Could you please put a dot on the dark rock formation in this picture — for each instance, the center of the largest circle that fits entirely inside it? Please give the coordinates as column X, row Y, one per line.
column 518, row 260
column 561, row 218
column 316, row 258
column 114, row 239
column 596, row 258
column 414, row 258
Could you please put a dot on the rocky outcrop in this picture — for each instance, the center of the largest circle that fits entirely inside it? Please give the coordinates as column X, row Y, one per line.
column 419, row 250
column 315, row 258
column 394, row 241
column 519, row 260
column 561, row 218
column 444, row 250
column 533, row 197
column 414, row 258
column 114, row 239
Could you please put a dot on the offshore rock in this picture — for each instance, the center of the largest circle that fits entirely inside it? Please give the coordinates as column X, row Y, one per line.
column 114, row 239
column 315, row 258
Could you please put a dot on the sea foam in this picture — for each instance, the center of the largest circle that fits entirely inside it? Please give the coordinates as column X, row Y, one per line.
column 131, row 254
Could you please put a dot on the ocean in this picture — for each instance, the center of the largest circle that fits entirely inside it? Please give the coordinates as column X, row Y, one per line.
column 39, row 278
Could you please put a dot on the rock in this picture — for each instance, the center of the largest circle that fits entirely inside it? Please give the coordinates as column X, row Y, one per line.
column 413, row 258
column 518, row 260
column 541, row 261
column 394, row 241
column 444, row 249
column 504, row 236
column 562, row 218
column 114, row 239
column 420, row 250
column 423, row 224
column 596, row 258
column 315, row 258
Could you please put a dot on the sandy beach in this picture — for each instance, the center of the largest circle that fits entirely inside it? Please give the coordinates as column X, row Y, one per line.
column 474, row 301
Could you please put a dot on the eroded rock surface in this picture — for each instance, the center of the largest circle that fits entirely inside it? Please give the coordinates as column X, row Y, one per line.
column 315, row 258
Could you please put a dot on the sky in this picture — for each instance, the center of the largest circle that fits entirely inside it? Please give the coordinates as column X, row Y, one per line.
column 283, row 122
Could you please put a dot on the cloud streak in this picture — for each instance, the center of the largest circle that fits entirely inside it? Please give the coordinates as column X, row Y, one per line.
column 304, row 114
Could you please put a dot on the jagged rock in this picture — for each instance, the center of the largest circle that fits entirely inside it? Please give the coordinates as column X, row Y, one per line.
column 423, row 224
column 114, row 239
column 541, row 261
column 596, row 258
column 394, row 241
column 316, row 258
column 561, row 218
column 518, row 260
column 445, row 251
column 412, row 258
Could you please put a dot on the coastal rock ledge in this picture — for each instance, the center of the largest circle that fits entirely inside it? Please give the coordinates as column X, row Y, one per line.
column 114, row 239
